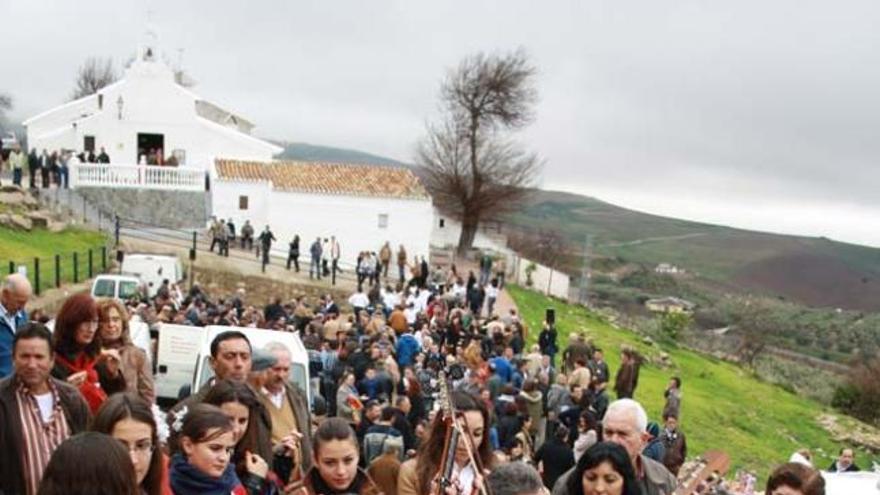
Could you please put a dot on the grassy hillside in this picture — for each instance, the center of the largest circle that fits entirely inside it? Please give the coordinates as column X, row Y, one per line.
column 813, row 271
column 723, row 408
column 20, row 248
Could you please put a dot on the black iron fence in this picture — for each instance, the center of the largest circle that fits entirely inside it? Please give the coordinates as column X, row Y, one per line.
column 62, row 268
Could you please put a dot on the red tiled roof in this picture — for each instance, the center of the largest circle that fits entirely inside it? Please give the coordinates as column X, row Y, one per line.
column 326, row 178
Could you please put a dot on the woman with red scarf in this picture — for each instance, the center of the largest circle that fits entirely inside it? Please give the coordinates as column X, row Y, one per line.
column 78, row 356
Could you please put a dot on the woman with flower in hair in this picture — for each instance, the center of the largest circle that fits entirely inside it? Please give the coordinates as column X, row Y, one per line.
column 202, row 442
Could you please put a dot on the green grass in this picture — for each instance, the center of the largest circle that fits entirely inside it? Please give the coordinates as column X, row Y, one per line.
column 724, row 407
column 21, row 247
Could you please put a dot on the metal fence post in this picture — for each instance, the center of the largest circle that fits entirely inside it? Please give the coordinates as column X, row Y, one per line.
column 11, row 267
column 103, row 259
column 37, row 276
column 333, row 273
column 57, row 270
column 75, row 268
column 116, row 231
column 91, row 272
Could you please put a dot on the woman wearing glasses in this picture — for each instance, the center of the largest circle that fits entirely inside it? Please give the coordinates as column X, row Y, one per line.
column 129, row 419
column 78, row 355
column 114, row 332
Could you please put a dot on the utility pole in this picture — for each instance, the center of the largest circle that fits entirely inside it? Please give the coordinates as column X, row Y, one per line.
column 585, row 273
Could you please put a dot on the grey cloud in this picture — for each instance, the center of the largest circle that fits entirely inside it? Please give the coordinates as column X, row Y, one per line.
column 732, row 102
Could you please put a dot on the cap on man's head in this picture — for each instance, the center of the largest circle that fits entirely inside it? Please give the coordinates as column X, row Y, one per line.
column 262, row 360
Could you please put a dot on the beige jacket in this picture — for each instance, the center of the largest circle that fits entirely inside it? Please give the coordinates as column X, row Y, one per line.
column 136, row 370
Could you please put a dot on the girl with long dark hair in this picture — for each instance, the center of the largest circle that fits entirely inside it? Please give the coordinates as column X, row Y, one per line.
column 89, row 463
column 129, row 419
column 242, row 406
column 334, row 471
column 418, row 475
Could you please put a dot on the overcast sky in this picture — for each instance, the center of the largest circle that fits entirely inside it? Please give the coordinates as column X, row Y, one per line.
column 754, row 114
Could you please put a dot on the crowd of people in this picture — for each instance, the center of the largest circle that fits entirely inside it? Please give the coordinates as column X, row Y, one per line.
column 46, row 169
column 413, row 391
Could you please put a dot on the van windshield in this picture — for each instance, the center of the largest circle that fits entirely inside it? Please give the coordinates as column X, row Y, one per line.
column 127, row 289
column 104, row 287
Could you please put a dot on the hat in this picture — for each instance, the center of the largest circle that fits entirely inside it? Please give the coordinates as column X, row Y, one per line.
column 653, row 429
column 262, row 361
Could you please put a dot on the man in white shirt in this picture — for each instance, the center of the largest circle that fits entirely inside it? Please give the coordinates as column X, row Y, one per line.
column 359, row 300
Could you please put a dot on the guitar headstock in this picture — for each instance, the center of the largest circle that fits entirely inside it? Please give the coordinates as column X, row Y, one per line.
column 445, row 398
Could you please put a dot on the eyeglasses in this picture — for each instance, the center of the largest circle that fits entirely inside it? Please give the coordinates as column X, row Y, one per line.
column 140, row 449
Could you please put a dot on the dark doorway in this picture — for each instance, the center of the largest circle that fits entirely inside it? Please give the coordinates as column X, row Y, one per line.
column 89, row 143
column 151, row 147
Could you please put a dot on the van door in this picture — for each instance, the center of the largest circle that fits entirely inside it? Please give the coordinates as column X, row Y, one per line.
column 176, row 358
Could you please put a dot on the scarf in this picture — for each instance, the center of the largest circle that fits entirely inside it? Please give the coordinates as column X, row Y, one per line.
column 320, row 486
column 187, row 480
column 91, row 388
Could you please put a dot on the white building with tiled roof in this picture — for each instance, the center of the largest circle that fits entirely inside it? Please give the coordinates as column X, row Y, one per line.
column 362, row 205
column 145, row 111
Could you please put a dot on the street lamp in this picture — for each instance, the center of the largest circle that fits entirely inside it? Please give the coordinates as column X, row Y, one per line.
column 119, row 104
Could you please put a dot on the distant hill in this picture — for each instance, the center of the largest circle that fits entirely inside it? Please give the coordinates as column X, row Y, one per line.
column 810, row 270
column 317, row 153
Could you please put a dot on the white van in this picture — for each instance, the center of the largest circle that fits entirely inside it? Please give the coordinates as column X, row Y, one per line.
column 183, row 357
column 121, row 287
column 152, row 269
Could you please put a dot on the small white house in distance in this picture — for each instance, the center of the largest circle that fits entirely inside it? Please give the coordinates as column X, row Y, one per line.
column 362, row 205
column 147, row 110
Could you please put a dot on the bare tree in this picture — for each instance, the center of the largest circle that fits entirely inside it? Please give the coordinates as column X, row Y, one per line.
column 472, row 167
column 92, row 75
column 755, row 324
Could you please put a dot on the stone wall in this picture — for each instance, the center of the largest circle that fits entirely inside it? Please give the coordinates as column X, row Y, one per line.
column 170, row 209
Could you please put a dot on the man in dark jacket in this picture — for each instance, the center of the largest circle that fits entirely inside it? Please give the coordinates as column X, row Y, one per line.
column 674, row 443
column 266, row 239
column 33, row 166
column 315, row 251
column 26, row 443
column 627, row 376
column 555, row 456
column 547, row 342
column 844, row 463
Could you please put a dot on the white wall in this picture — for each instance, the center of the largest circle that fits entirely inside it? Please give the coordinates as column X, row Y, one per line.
column 224, row 202
column 545, row 280
column 447, row 236
column 353, row 220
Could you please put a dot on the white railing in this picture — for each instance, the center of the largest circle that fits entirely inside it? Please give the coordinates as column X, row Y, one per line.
column 136, row 177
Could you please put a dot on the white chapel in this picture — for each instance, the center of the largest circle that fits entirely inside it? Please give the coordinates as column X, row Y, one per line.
column 146, row 111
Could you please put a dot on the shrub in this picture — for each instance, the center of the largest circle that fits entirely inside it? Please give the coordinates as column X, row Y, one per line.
column 860, row 395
